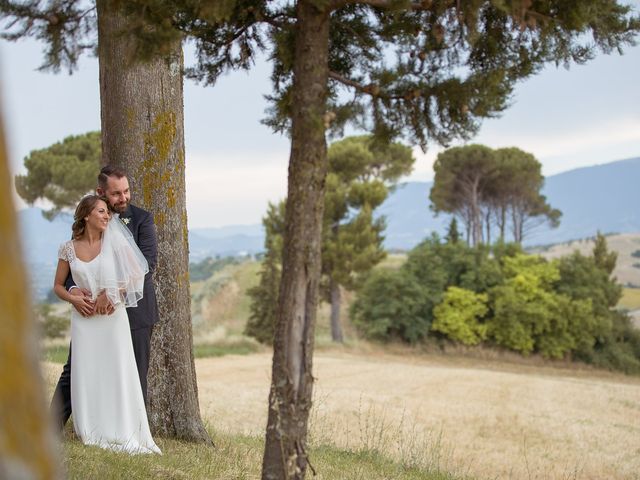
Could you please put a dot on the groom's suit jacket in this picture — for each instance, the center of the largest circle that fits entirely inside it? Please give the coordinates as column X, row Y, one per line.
column 140, row 223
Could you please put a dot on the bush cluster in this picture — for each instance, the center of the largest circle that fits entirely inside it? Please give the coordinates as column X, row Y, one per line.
column 501, row 296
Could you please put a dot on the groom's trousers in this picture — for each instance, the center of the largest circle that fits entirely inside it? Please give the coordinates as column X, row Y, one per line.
column 61, row 401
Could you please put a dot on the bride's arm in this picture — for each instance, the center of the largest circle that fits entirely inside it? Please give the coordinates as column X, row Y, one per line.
column 81, row 303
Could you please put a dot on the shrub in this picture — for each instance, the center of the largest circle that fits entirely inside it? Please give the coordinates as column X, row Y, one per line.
column 458, row 316
column 529, row 315
column 392, row 304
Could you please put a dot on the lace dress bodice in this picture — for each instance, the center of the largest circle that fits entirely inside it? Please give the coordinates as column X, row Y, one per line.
column 85, row 274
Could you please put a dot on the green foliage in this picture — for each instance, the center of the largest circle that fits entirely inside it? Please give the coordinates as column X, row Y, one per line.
column 635, row 254
column 361, row 173
column 65, row 27
column 207, row 267
column 485, row 187
column 462, row 175
column 264, row 296
column 619, row 349
column 51, row 325
column 502, row 296
column 453, row 235
column 427, row 70
column 528, row 314
column 603, row 258
column 61, row 173
column 459, row 314
column 438, row 266
column 392, row 304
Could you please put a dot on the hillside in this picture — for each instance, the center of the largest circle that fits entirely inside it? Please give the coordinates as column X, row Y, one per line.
column 602, row 197
column 624, row 244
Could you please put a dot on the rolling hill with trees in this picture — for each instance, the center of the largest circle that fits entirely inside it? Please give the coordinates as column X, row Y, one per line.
column 602, row 197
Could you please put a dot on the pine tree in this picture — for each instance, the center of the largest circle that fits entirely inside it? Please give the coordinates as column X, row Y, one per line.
column 264, row 296
column 452, row 232
column 61, row 173
column 604, row 259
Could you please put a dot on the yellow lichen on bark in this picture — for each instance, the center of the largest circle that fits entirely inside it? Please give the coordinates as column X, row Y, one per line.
column 185, row 230
column 171, row 197
column 160, row 219
column 158, row 144
column 26, row 442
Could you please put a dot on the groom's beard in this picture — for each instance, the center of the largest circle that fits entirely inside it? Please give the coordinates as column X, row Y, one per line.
column 120, row 207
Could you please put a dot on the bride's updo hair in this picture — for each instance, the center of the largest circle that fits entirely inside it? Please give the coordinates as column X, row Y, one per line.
column 84, row 208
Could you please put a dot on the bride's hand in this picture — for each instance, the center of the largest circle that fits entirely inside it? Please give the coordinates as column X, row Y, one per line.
column 104, row 305
column 81, row 301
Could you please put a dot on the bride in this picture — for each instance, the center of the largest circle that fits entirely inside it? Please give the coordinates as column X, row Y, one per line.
column 108, row 406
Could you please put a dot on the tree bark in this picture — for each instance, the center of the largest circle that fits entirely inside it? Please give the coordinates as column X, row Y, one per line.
column 285, row 455
column 336, row 327
column 487, row 219
column 27, row 443
column 143, row 132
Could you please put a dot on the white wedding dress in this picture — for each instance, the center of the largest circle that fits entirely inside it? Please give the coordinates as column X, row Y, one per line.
column 106, row 396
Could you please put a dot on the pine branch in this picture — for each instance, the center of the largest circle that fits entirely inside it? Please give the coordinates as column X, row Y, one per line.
column 384, row 4
column 370, row 89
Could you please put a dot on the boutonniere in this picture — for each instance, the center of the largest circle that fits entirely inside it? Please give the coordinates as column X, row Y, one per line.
column 126, row 220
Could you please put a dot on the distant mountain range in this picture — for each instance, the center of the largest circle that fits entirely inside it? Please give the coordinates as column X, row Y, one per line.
column 603, row 197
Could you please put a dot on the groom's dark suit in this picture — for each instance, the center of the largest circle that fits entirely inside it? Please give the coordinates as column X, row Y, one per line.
column 141, row 318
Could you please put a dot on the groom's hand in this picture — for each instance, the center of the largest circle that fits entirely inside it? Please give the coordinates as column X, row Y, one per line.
column 104, row 305
column 83, row 304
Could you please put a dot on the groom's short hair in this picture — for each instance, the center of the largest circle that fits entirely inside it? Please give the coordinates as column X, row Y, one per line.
column 109, row 171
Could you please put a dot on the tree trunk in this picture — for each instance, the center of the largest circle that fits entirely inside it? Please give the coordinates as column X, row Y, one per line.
column 143, row 132
column 487, row 219
column 503, row 222
column 336, row 328
column 27, row 444
column 285, row 455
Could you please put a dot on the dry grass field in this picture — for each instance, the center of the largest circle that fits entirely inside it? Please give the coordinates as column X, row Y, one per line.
column 487, row 419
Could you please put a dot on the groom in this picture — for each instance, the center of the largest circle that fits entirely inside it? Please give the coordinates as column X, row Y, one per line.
column 114, row 186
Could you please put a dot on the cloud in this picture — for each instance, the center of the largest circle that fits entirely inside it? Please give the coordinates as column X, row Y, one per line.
column 559, row 150
column 233, row 189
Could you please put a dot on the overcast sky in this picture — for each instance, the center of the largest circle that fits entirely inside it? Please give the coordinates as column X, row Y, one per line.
column 567, row 118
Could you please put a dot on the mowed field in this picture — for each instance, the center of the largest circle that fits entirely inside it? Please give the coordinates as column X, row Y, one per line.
column 469, row 417
column 514, row 422
column 481, row 418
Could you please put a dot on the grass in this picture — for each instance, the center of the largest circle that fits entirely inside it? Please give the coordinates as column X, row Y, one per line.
column 59, row 353
column 55, row 353
column 233, row 457
column 630, row 299
column 242, row 347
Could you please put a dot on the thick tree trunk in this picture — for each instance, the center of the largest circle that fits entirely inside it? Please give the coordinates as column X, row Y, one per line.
column 143, row 132
column 27, row 444
column 336, row 327
column 285, row 455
